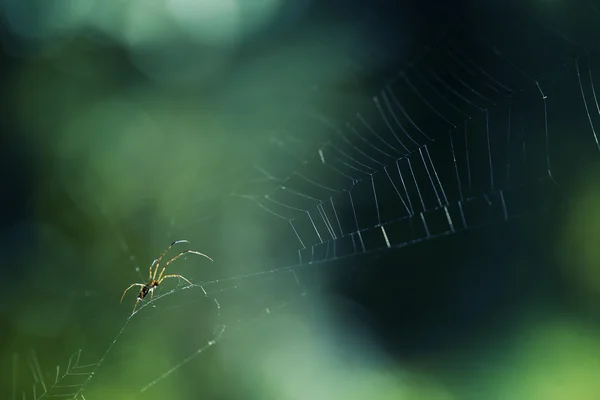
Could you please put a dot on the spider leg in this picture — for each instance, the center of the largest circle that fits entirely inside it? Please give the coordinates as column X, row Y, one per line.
column 158, row 260
column 175, row 276
column 134, row 284
column 176, row 257
column 151, row 266
column 135, row 305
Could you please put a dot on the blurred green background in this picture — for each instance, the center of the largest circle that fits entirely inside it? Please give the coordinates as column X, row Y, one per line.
column 130, row 124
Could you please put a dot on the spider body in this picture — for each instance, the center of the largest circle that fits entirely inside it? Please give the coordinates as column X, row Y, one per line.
column 148, row 288
column 153, row 281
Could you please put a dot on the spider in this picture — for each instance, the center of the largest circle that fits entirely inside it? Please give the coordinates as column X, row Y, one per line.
column 153, row 281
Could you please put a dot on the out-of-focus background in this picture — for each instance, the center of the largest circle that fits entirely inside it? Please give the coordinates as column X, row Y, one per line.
column 129, row 124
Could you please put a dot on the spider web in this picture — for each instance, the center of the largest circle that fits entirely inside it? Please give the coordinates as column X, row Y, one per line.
column 472, row 133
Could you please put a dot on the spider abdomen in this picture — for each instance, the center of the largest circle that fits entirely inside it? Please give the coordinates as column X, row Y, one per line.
column 144, row 292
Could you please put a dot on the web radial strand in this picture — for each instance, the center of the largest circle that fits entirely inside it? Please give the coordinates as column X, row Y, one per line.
column 401, row 108
column 336, row 216
column 387, row 122
column 425, row 101
column 593, row 88
column 374, row 133
column 362, row 138
column 489, row 148
column 354, row 168
column 467, row 60
column 439, row 94
column 360, row 152
column 430, row 178
column 507, row 154
column 355, row 131
column 458, row 180
column 585, row 104
column 437, row 177
column 479, row 95
column 409, row 211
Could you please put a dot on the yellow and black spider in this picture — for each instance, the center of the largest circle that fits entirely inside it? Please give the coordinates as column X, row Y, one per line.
column 154, row 281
